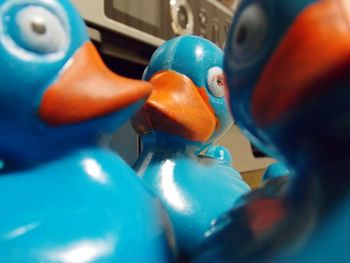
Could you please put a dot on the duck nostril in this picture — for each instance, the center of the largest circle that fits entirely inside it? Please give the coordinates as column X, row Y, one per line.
column 38, row 26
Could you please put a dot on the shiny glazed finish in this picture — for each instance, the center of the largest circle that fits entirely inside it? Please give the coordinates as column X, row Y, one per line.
column 287, row 65
column 221, row 153
column 88, row 206
column 275, row 170
column 195, row 190
column 184, row 115
column 64, row 198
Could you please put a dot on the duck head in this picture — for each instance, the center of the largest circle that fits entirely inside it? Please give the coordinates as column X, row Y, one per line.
column 55, row 91
column 188, row 100
column 286, row 66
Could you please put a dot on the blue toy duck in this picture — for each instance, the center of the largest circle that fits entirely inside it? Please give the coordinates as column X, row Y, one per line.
column 64, row 198
column 287, row 65
column 184, row 115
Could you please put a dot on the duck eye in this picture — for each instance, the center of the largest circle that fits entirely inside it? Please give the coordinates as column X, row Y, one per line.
column 249, row 32
column 39, row 31
column 216, row 82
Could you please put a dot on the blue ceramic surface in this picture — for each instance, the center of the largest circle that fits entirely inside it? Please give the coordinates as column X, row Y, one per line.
column 63, row 197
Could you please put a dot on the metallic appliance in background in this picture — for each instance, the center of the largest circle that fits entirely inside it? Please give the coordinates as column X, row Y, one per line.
column 127, row 32
column 153, row 21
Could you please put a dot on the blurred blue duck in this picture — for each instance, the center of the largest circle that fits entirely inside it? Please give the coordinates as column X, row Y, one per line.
column 63, row 197
column 184, row 115
column 286, row 66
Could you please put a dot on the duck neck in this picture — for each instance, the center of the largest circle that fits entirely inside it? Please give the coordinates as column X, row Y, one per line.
column 36, row 154
column 159, row 147
column 168, row 145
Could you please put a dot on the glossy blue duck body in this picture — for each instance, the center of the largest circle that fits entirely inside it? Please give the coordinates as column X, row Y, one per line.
column 65, row 198
column 76, row 209
column 302, row 220
column 189, row 187
column 194, row 188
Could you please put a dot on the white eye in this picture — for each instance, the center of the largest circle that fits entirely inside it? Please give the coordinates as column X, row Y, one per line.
column 216, row 82
column 40, row 31
column 249, row 32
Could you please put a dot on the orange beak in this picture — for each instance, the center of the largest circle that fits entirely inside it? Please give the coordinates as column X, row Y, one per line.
column 87, row 89
column 313, row 58
column 178, row 107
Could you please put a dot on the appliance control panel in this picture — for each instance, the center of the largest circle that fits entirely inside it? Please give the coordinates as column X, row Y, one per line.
column 154, row 21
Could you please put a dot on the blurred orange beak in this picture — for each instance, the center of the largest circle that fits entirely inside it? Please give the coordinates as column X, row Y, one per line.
column 87, row 89
column 312, row 59
column 178, row 107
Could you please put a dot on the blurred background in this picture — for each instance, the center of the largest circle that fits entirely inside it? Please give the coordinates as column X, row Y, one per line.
column 127, row 32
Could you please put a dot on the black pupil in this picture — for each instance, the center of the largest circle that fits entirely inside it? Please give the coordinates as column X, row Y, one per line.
column 38, row 27
column 220, row 81
column 241, row 35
